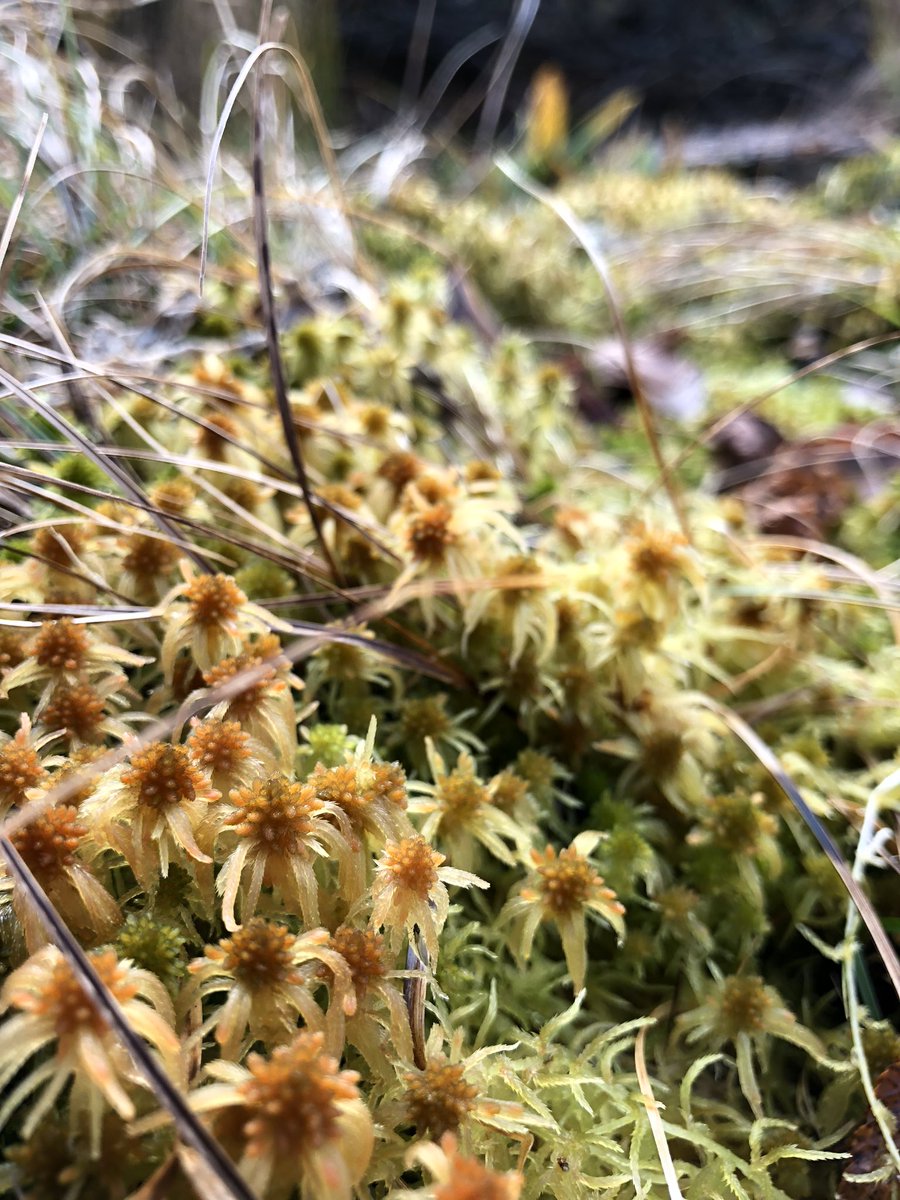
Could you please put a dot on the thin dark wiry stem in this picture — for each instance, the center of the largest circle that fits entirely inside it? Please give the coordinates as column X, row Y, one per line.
column 267, row 304
column 68, row 571
column 80, row 401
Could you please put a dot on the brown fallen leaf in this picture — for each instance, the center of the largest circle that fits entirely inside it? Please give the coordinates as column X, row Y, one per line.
column 802, row 487
column 867, row 1148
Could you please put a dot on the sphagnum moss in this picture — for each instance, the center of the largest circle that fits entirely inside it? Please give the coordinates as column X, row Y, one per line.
column 346, row 939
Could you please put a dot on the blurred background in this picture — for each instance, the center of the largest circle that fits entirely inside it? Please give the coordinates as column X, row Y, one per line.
column 705, row 61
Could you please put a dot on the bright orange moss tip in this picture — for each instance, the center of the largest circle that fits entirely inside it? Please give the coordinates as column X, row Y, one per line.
column 13, row 644
column 147, row 558
column 438, row 1099
column 60, row 645
column 364, row 952
column 65, row 1001
column 291, row 1098
column 387, row 781
column 53, row 543
column 430, row 533
column 259, row 953
column 340, row 786
column 48, row 843
column 413, row 864
column 465, row 1178
column 20, row 769
column 655, row 555
column 218, row 745
column 215, row 600
column 275, row 813
column 249, row 700
column 565, row 889
column 173, row 496
column 78, row 710
column 164, row 775
column 569, row 881
column 400, row 468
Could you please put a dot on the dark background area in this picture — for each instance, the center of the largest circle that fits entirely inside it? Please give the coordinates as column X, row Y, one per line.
column 705, row 60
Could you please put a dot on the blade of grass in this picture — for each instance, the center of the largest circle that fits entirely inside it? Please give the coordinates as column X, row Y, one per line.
column 851, row 563
column 81, row 405
column 314, row 113
column 769, row 760
column 32, row 483
column 196, row 465
column 656, row 1126
column 519, row 28
column 16, row 207
column 418, row 50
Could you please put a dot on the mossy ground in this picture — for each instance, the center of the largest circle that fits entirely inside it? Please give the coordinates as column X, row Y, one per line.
column 475, row 813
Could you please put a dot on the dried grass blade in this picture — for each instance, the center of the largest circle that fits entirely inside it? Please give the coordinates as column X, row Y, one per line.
column 410, row 659
column 100, row 460
column 851, row 563
column 656, row 1125
column 879, row 1111
column 314, row 112
column 190, row 1130
column 16, row 206
column 81, row 405
column 414, row 997
column 70, row 572
column 20, row 479
column 417, row 53
column 519, row 28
